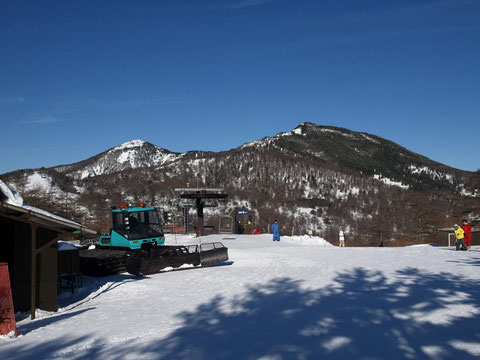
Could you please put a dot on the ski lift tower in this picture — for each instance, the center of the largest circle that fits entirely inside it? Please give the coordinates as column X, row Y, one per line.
column 201, row 195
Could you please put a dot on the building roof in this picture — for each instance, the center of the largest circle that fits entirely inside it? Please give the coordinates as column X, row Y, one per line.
column 11, row 205
column 451, row 229
column 42, row 217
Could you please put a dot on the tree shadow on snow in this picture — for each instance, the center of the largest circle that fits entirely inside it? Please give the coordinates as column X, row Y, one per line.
column 469, row 258
column 466, row 262
column 47, row 350
column 361, row 315
column 40, row 323
column 92, row 285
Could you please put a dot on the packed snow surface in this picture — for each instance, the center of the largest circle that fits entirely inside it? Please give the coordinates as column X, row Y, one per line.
column 293, row 299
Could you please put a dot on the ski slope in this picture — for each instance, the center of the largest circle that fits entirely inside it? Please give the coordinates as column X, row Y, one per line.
column 301, row 298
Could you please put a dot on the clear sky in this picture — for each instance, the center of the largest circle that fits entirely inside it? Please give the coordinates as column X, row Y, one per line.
column 78, row 77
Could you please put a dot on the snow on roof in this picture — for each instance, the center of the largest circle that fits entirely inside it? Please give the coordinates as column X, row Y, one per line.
column 13, row 198
column 48, row 214
column 10, row 196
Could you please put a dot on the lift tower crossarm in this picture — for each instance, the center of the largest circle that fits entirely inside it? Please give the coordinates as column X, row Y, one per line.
column 200, row 195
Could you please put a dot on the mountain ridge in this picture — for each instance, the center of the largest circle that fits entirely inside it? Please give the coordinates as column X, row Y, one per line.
column 318, row 177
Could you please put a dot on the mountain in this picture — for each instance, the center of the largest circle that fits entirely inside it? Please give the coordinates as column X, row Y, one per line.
column 314, row 177
column 130, row 155
column 369, row 154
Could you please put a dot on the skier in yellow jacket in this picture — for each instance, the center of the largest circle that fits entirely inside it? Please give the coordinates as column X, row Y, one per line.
column 459, row 234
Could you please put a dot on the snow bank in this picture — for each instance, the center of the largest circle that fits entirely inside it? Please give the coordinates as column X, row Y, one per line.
column 306, row 240
column 245, row 240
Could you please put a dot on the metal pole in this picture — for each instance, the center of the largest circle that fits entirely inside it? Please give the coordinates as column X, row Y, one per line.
column 450, row 234
column 33, row 270
column 200, row 205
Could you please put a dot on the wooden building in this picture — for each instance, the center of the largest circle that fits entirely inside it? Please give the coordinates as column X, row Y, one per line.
column 28, row 243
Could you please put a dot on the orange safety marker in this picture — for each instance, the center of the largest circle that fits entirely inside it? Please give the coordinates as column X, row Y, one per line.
column 7, row 315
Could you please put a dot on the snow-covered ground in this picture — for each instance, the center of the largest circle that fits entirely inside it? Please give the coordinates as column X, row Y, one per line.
column 300, row 298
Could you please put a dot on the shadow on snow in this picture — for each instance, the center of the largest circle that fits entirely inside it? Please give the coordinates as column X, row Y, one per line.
column 94, row 287
column 40, row 323
column 362, row 315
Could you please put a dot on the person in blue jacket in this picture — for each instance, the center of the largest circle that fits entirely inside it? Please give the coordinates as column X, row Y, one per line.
column 276, row 231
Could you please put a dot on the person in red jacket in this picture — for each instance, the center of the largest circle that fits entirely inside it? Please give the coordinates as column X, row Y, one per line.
column 468, row 233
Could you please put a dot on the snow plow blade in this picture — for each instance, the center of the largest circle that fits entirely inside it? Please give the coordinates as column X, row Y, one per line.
column 154, row 260
column 213, row 253
column 102, row 262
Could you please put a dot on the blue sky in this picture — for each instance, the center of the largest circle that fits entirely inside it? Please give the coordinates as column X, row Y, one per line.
column 78, row 77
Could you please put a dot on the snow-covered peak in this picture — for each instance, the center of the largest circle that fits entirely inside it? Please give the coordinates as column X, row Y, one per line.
column 305, row 129
column 130, row 155
column 129, row 144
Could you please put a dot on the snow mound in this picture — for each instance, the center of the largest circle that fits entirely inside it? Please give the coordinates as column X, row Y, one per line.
column 245, row 239
column 306, row 240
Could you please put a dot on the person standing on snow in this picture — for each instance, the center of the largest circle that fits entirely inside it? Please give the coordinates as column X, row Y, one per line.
column 467, row 229
column 276, row 231
column 341, row 237
column 459, row 235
